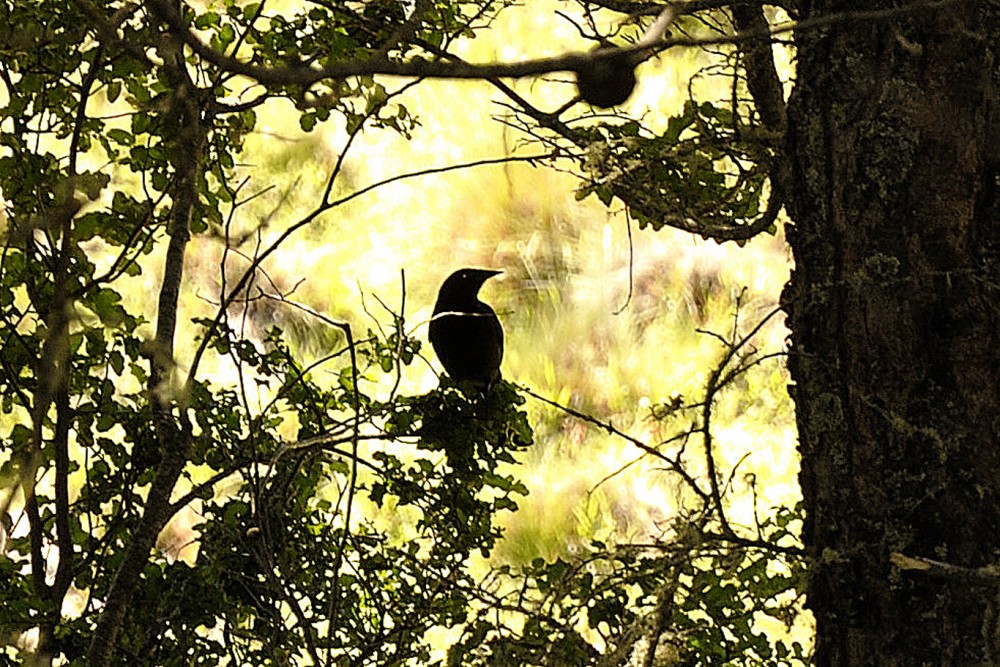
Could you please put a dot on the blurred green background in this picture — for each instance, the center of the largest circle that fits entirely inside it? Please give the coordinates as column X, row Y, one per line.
column 598, row 317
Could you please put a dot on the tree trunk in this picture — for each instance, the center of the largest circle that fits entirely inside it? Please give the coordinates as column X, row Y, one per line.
column 894, row 306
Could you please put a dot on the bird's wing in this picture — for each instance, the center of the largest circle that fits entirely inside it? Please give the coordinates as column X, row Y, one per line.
column 497, row 331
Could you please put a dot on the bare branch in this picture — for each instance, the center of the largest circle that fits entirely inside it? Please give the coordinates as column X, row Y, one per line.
column 672, row 464
column 352, row 484
column 421, row 68
column 988, row 575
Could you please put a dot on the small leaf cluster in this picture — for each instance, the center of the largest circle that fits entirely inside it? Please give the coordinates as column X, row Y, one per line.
column 705, row 167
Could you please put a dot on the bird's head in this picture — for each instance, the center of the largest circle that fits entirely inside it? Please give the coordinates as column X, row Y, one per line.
column 464, row 284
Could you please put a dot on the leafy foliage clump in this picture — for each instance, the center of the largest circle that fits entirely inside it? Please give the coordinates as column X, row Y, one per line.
column 287, row 562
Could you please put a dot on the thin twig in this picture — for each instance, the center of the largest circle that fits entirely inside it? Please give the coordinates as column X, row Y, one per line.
column 352, row 484
column 610, row 428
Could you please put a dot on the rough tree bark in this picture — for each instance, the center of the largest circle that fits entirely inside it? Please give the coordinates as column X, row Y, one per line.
column 894, row 306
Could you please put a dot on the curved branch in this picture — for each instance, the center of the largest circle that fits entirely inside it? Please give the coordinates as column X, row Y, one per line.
column 418, row 67
column 717, row 380
column 353, row 483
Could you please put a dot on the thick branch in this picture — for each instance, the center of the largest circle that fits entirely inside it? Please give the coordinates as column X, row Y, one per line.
column 758, row 60
column 174, row 441
column 306, row 75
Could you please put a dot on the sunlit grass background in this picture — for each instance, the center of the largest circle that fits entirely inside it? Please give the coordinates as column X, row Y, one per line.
column 595, row 317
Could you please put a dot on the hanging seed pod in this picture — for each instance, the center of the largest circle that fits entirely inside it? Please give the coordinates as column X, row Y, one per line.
column 607, row 81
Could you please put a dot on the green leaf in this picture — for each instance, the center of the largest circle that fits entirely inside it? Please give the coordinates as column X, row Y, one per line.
column 207, row 20
column 113, row 90
column 121, row 136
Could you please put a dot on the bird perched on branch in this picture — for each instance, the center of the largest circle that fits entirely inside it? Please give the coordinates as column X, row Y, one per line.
column 465, row 332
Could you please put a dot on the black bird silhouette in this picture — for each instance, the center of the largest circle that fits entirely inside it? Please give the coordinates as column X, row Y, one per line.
column 465, row 332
